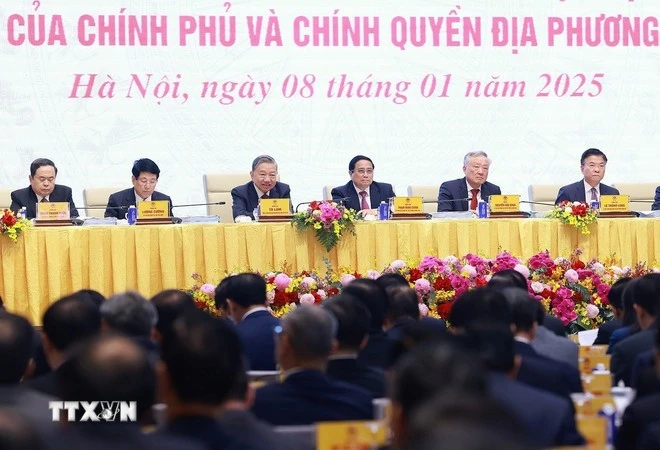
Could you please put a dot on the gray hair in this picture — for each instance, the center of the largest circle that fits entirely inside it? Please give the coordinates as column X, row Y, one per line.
column 311, row 330
column 130, row 314
column 263, row 159
column 470, row 155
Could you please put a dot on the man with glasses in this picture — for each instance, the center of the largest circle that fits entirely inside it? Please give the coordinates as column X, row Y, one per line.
column 145, row 177
column 264, row 184
column 362, row 193
column 465, row 193
column 592, row 164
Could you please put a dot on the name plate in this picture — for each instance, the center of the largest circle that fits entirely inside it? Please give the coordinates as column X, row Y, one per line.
column 504, row 203
column 274, row 207
column 615, row 203
column 408, row 205
column 350, row 435
column 592, row 405
column 157, row 209
column 597, row 384
column 594, row 430
column 53, row 211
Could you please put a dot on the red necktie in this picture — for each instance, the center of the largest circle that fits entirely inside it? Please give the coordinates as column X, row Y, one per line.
column 365, row 205
column 594, row 195
column 44, row 200
column 474, row 200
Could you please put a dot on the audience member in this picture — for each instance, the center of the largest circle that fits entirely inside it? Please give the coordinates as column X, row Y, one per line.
column 589, row 189
column 362, row 193
column 453, row 194
column 549, row 344
column 630, row 325
column 402, row 311
column 615, row 299
column 170, row 304
column 18, row 433
column 245, row 198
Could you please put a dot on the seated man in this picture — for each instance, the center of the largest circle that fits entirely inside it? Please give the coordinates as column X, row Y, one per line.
column 264, row 184
column 590, row 188
column 362, row 193
column 656, row 200
column 453, row 194
column 145, row 177
column 42, row 189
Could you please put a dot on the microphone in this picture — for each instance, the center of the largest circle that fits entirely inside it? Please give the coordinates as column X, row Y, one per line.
column 455, row 200
column 104, row 207
column 538, row 203
column 199, row 204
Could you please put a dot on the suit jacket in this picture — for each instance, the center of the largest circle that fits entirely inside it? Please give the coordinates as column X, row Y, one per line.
column 244, row 197
column 45, row 384
column 565, row 379
column 256, row 333
column 636, row 418
column 457, row 189
column 27, row 198
column 548, row 419
column 378, row 352
column 249, row 433
column 554, row 324
column 32, row 404
column 550, row 345
column 656, row 200
column 625, row 352
column 350, row 370
column 605, row 331
column 378, row 192
column 645, row 381
column 119, row 202
column 309, row 396
column 200, row 430
column 575, row 192
column 651, row 439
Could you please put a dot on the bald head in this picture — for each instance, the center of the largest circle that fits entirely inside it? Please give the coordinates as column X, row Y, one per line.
column 311, row 332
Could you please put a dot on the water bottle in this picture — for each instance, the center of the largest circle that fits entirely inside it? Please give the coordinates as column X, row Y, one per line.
column 384, row 211
column 131, row 215
column 22, row 212
column 256, row 212
column 482, row 210
column 609, row 412
column 595, row 205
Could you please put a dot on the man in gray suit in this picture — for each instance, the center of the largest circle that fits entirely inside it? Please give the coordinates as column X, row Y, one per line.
column 549, row 344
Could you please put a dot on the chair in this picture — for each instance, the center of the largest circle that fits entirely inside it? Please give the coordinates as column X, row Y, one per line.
column 305, row 434
column 641, row 194
column 429, row 194
column 217, row 188
column 543, row 193
column 327, row 189
column 5, row 198
column 97, row 198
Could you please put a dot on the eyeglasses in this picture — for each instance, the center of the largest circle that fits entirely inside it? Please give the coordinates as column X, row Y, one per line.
column 146, row 182
column 364, row 171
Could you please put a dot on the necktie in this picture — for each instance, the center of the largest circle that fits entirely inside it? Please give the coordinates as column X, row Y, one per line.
column 365, row 205
column 594, row 195
column 265, row 196
column 473, row 201
column 44, row 200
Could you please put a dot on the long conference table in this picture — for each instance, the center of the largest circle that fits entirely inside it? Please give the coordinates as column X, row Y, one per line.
column 48, row 263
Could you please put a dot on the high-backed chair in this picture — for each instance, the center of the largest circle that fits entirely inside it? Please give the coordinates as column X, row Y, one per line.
column 429, row 192
column 327, row 189
column 641, row 194
column 5, row 198
column 543, row 193
column 217, row 188
column 97, row 198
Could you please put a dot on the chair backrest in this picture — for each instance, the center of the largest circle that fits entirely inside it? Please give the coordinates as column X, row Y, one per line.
column 305, row 434
column 327, row 189
column 97, row 198
column 5, row 198
column 543, row 193
column 638, row 191
column 429, row 192
column 217, row 188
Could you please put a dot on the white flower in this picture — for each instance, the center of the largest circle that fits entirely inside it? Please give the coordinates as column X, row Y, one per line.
column 452, row 260
column 423, row 309
column 616, row 270
column 568, row 209
column 373, row 274
column 270, row 296
column 307, row 299
column 470, row 270
column 346, row 279
column 592, row 311
column 598, row 269
column 560, row 260
column 322, row 294
column 397, row 264
column 537, row 287
column 522, row 269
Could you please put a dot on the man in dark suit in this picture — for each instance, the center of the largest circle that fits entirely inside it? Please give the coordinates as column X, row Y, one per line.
column 362, row 193
column 593, row 163
column 144, row 179
column 352, row 335
column 452, row 194
column 656, row 200
column 645, row 292
column 615, row 299
column 264, row 184
column 42, row 189
column 246, row 296
column 307, row 395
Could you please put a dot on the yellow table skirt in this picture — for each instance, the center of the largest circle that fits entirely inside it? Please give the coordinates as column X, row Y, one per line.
column 48, row 263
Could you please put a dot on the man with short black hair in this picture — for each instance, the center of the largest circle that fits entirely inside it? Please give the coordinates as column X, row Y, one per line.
column 42, row 189
column 170, row 304
column 246, row 297
column 263, row 184
column 145, row 178
column 362, row 193
column 593, row 163
column 615, row 299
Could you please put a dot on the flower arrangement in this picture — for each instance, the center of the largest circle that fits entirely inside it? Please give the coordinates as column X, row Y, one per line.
column 12, row 224
column 578, row 214
column 329, row 221
column 204, row 295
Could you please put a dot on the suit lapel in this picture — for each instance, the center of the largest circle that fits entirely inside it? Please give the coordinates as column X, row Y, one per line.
column 463, row 193
column 253, row 200
column 353, row 200
column 31, row 208
column 374, row 194
column 580, row 193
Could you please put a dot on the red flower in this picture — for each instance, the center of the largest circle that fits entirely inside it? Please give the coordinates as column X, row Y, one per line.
column 8, row 219
column 547, row 293
column 577, row 264
column 444, row 309
column 332, row 291
column 442, row 284
column 415, row 275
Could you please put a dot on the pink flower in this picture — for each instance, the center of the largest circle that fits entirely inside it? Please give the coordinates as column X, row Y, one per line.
column 603, row 290
column 592, row 311
column 329, row 212
column 208, row 289
column 571, row 276
column 522, row 269
column 307, row 299
column 460, row 284
column 505, row 261
column 598, row 268
column 422, row 286
column 431, row 264
column 470, row 270
column 308, row 281
column 397, row 264
column 423, row 309
column 282, row 281
column 372, row 274
column 346, row 279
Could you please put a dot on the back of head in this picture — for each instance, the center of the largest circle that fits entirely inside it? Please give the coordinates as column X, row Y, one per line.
column 403, row 303
column 615, row 296
column 524, row 309
column 311, row 332
column 391, row 279
column 646, row 293
column 220, row 296
column 483, row 305
column 352, row 321
column 108, row 368
column 17, row 433
column 16, row 346
column 201, row 355
column 130, row 314
column 466, row 436
column 247, row 289
column 71, row 320
column 170, row 304
column 628, row 299
column 373, row 297
column 94, row 296
column 494, row 345
column 508, row 278
column 145, row 165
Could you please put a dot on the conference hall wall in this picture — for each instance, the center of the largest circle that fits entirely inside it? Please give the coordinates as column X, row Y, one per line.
column 205, row 86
